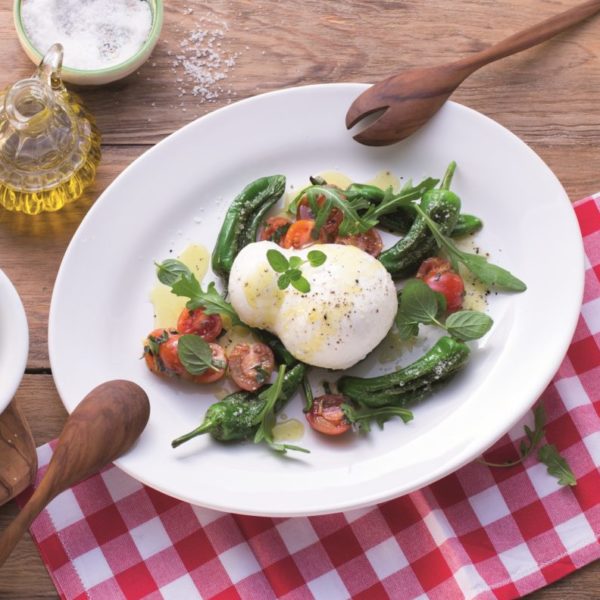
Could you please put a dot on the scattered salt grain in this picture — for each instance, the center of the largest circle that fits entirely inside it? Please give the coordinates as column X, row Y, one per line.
column 201, row 63
column 95, row 34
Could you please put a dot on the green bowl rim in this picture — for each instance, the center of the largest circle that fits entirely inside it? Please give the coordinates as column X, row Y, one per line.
column 156, row 6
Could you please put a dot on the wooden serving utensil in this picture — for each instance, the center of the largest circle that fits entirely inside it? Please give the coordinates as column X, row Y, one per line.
column 101, row 428
column 18, row 458
column 409, row 99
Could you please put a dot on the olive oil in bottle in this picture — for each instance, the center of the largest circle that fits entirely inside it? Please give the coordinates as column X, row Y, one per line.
column 49, row 143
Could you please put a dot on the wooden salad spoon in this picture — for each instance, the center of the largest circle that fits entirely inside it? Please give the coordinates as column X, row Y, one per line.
column 102, row 427
column 410, row 98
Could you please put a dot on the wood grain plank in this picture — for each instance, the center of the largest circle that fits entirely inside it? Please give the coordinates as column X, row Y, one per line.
column 275, row 45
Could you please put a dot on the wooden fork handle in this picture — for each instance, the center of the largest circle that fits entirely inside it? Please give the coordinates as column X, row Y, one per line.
column 533, row 35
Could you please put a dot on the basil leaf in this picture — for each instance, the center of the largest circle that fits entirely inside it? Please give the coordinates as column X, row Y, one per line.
column 295, row 262
column 407, row 328
column 468, row 325
column 294, row 274
column 279, row 263
column 316, row 258
column 194, row 353
column 301, row 284
column 170, row 270
column 419, row 302
column 557, row 465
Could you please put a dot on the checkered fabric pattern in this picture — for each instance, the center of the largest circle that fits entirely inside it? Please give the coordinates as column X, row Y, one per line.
column 479, row 533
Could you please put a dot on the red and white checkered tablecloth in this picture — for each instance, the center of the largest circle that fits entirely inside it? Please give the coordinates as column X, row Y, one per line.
column 478, row 533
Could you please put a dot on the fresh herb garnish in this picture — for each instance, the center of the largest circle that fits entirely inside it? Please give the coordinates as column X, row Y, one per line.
column 183, row 282
column 420, row 305
column 266, row 418
column 154, row 342
column 547, row 454
column 195, row 355
column 485, row 271
column 362, row 417
column 557, row 465
column 289, row 269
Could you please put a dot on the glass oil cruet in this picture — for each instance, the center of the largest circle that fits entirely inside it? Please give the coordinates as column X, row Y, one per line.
column 49, row 143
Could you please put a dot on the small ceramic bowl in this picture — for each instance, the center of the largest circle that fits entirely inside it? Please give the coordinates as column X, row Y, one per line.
column 14, row 341
column 97, row 76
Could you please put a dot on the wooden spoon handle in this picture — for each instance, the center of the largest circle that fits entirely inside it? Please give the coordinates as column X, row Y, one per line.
column 533, row 35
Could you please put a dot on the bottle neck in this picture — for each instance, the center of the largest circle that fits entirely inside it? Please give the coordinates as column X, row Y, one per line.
column 27, row 105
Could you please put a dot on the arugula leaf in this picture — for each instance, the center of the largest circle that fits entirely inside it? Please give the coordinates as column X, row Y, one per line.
column 266, row 418
column 362, row 418
column 183, row 282
column 485, row 271
column 195, row 355
column 352, row 222
column 407, row 195
column 533, row 437
column 557, row 465
column 468, row 325
column 548, row 454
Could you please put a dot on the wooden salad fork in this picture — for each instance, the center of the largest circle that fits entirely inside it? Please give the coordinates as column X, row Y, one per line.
column 410, row 98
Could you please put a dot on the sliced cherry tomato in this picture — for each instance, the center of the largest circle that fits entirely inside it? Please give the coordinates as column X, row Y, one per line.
column 152, row 346
column 437, row 273
column 333, row 222
column 275, row 229
column 369, row 241
column 326, row 415
column 162, row 358
column 299, row 235
column 251, row 365
column 433, row 264
column 214, row 374
column 208, row 327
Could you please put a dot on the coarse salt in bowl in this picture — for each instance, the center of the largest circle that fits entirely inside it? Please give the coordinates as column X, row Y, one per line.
column 104, row 40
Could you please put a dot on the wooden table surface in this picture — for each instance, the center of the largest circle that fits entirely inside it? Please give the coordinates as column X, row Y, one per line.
column 549, row 96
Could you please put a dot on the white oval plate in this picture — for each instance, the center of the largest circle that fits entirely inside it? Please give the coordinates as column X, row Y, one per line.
column 177, row 193
column 14, row 340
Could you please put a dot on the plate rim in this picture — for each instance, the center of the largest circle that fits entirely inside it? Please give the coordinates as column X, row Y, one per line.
column 18, row 332
column 449, row 466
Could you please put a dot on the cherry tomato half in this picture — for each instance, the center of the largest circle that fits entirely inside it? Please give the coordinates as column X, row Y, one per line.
column 214, row 374
column 160, row 352
column 251, row 365
column 433, row 264
column 326, row 415
column 437, row 273
column 208, row 327
column 275, row 229
column 162, row 358
column 333, row 222
column 369, row 241
column 299, row 235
